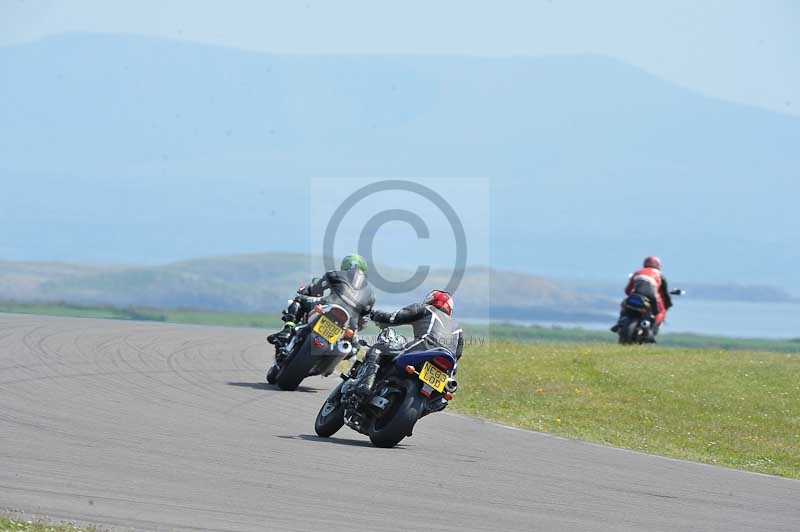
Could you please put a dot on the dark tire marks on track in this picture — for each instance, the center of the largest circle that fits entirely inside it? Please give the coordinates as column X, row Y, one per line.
column 164, row 427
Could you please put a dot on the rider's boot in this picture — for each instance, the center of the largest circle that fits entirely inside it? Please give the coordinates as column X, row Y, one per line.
column 290, row 316
column 617, row 325
column 281, row 338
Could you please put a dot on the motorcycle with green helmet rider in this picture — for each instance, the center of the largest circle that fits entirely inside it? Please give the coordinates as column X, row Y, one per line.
column 320, row 323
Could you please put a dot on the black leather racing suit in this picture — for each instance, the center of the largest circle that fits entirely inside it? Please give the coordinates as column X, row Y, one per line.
column 348, row 288
column 432, row 328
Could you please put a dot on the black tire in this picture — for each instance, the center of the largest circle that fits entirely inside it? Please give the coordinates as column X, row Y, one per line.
column 331, row 416
column 399, row 421
column 272, row 374
column 296, row 367
column 627, row 332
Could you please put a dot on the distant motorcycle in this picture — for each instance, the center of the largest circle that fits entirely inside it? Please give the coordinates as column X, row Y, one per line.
column 635, row 325
column 408, row 386
column 319, row 343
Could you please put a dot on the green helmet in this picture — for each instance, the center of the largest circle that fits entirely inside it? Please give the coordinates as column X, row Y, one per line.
column 354, row 261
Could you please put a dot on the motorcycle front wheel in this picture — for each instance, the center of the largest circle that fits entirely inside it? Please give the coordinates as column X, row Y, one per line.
column 331, row 416
column 272, row 374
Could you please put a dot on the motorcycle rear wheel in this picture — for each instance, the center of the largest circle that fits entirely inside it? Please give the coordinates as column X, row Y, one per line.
column 627, row 332
column 296, row 367
column 398, row 423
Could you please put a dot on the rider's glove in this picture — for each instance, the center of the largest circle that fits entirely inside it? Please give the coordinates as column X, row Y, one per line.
column 376, row 322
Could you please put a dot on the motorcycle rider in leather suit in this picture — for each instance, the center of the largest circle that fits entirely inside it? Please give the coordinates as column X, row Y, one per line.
column 433, row 327
column 347, row 287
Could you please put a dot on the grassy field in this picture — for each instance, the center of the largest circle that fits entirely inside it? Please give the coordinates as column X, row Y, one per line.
column 20, row 525
column 515, row 333
column 486, row 333
column 732, row 408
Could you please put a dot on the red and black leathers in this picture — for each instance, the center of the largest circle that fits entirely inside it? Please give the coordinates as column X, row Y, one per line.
column 649, row 282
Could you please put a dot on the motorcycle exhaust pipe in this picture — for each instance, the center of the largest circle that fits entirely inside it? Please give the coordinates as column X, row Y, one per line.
column 451, row 385
column 344, row 347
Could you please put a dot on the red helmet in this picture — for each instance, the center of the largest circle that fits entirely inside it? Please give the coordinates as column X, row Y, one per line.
column 652, row 262
column 441, row 300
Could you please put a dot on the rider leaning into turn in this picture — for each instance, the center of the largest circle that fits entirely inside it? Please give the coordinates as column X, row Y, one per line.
column 651, row 283
column 433, row 327
column 347, row 287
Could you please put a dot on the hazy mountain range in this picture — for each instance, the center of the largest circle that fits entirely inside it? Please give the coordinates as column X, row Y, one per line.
column 123, row 149
column 264, row 282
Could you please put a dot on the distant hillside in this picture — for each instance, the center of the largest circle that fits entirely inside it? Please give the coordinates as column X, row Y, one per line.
column 264, row 282
column 757, row 293
column 138, row 150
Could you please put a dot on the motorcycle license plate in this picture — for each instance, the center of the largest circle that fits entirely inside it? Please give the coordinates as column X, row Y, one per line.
column 433, row 377
column 327, row 329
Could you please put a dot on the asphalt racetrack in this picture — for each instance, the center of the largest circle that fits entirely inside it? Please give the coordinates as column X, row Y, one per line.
column 163, row 427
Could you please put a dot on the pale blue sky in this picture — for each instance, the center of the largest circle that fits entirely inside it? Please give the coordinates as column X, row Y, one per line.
column 735, row 50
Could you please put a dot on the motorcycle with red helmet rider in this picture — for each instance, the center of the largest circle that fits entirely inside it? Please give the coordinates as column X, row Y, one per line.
column 399, row 381
column 434, row 328
column 645, row 308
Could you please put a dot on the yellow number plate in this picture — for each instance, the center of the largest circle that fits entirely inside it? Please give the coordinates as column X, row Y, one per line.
column 329, row 330
column 433, row 376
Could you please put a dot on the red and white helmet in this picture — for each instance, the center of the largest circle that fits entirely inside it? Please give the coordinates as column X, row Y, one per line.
column 441, row 300
column 652, row 262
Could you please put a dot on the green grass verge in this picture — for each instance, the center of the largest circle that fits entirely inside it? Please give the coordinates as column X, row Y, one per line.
column 185, row 316
column 485, row 332
column 23, row 525
column 730, row 408
column 666, row 339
